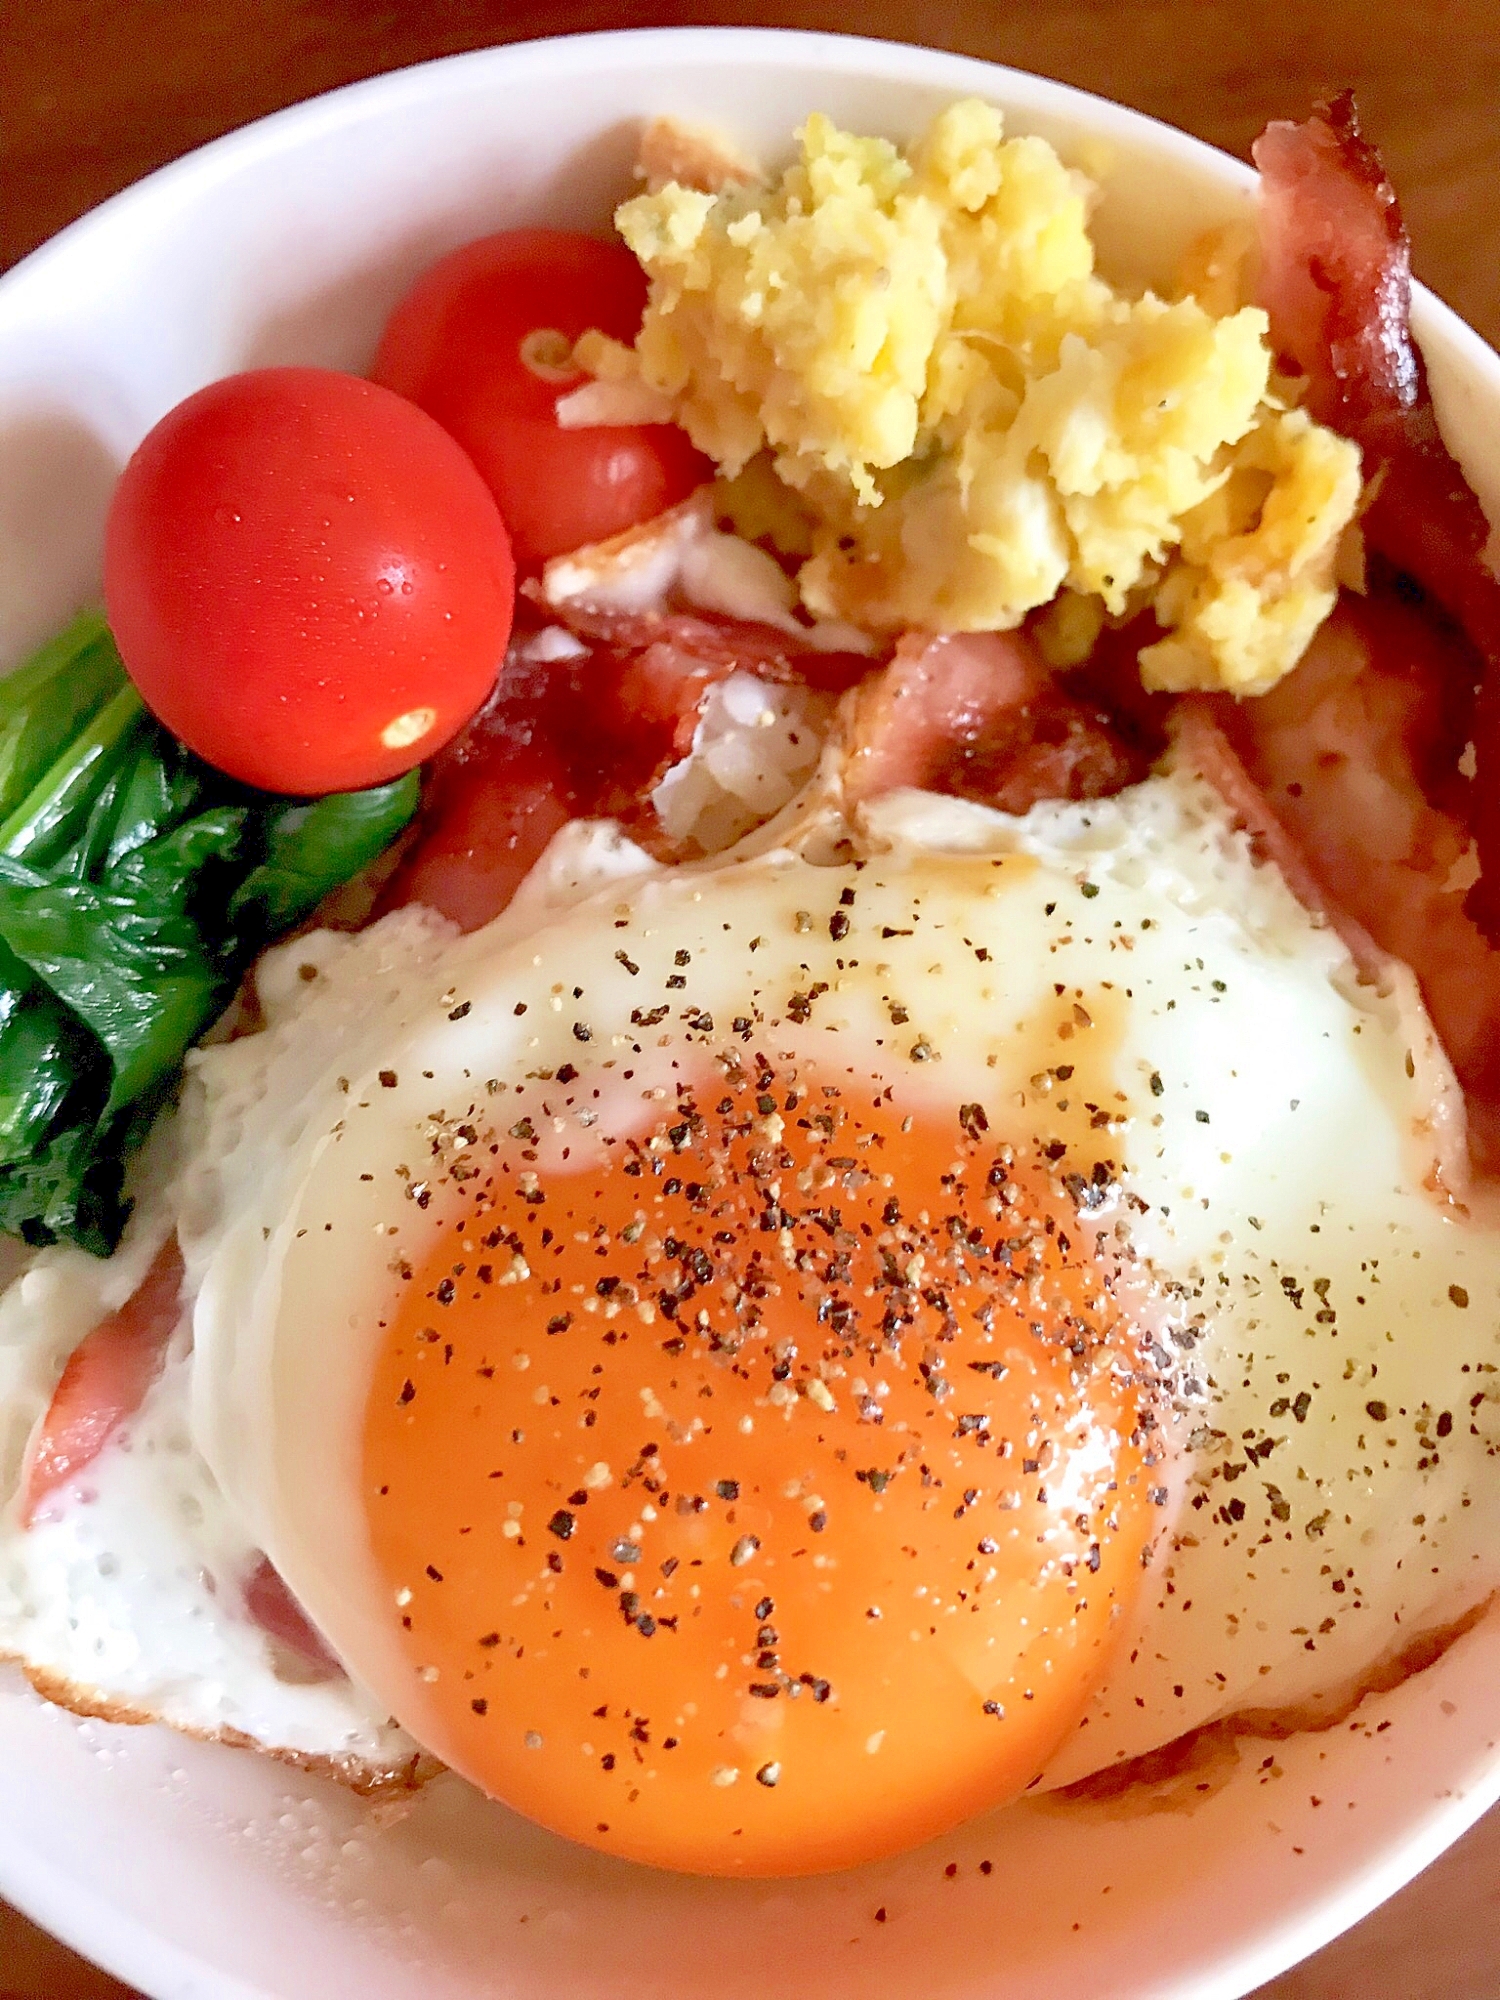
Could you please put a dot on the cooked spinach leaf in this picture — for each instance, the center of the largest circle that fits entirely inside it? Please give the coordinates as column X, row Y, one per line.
column 45, row 703
column 312, row 848
column 136, row 884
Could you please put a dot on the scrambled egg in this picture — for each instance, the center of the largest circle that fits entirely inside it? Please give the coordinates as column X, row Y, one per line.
column 973, row 421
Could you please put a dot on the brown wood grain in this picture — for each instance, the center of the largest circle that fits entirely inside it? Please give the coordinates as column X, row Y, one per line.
column 95, row 93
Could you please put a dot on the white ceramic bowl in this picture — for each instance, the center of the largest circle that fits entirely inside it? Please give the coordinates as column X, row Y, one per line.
column 196, row 1871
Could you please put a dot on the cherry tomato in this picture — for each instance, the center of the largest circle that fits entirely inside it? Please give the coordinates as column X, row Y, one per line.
column 481, row 343
column 308, row 581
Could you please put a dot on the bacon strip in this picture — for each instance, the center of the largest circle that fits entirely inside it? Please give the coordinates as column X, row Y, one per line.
column 486, row 820
column 278, row 1614
column 586, row 735
column 978, row 715
column 1336, row 280
column 104, row 1383
column 1350, row 760
column 1203, row 742
column 721, row 644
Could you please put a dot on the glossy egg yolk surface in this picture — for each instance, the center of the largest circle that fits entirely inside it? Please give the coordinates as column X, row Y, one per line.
column 762, row 1497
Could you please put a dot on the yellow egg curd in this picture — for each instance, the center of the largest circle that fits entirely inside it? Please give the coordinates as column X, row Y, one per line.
column 974, row 423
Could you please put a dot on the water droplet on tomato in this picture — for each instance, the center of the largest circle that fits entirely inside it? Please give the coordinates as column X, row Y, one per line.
column 384, row 585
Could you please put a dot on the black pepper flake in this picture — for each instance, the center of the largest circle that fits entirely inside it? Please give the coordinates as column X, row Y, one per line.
column 626, row 1552
column 479, row 1705
column 567, row 1073
column 1157, row 1086
column 408, row 1391
column 562, row 1524
column 765, row 1607
column 446, row 1292
column 490, row 1640
column 743, row 1550
column 388, row 1079
column 1458, row 1296
column 435, row 1574
column 582, row 1032
column 1089, row 889
column 560, row 1323
column 1376, row 1411
column 624, row 958
column 727, row 1489
column 463, row 1008
column 768, row 1775
column 763, row 1690
column 838, row 925
column 1201, row 1116
column 607, row 1577
column 818, row 1522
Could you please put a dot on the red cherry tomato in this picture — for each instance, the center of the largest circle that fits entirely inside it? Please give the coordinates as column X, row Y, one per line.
column 468, row 343
column 308, row 581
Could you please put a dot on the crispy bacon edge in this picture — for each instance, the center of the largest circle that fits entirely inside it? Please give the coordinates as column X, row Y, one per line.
column 1336, row 281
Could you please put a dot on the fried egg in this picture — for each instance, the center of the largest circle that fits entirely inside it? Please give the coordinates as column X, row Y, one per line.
column 752, row 1364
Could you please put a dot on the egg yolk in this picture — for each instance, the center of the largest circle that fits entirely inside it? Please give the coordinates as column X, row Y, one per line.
column 761, row 1497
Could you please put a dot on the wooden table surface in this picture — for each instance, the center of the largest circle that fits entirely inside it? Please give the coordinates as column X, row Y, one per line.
column 94, row 95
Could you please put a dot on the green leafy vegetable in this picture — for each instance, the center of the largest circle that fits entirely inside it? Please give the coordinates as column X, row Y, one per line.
column 44, row 703
column 311, row 849
column 136, row 884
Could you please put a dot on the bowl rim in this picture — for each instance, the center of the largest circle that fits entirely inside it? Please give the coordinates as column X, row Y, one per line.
column 120, row 1941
